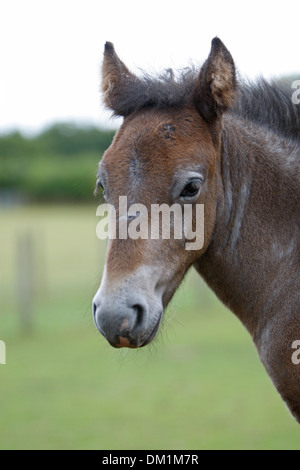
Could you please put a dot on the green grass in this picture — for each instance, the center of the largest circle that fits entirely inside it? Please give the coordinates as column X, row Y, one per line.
column 200, row 386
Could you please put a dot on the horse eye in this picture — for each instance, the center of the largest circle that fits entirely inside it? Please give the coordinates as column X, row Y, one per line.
column 191, row 189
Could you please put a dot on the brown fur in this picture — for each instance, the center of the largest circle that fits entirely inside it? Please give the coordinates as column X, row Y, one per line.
column 251, row 193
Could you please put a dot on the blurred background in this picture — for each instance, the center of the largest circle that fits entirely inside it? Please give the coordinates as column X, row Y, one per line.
column 200, row 385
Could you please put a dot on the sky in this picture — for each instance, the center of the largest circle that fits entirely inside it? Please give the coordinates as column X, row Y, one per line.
column 51, row 50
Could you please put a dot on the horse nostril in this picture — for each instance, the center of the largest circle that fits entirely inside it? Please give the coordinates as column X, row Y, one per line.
column 94, row 310
column 140, row 314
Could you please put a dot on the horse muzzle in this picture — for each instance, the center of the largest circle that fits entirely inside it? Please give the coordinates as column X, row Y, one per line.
column 127, row 319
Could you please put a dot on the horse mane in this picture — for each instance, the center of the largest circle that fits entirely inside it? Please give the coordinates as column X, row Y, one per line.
column 268, row 104
column 161, row 91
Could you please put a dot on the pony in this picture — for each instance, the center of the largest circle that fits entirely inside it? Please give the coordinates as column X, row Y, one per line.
column 206, row 137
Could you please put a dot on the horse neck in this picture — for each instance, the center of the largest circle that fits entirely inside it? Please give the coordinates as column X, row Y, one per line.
column 251, row 263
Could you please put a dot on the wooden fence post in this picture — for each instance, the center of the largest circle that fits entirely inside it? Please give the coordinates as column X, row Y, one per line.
column 25, row 281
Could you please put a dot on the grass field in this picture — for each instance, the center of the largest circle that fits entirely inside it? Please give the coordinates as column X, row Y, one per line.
column 200, row 386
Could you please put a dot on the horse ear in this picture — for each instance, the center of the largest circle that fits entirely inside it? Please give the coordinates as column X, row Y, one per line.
column 115, row 79
column 216, row 84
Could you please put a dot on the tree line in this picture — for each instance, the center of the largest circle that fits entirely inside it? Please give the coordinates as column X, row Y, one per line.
column 59, row 164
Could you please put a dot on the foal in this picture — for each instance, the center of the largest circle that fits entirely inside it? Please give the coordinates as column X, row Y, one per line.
column 205, row 138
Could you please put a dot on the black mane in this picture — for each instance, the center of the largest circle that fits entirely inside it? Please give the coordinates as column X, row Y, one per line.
column 269, row 104
column 165, row 90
